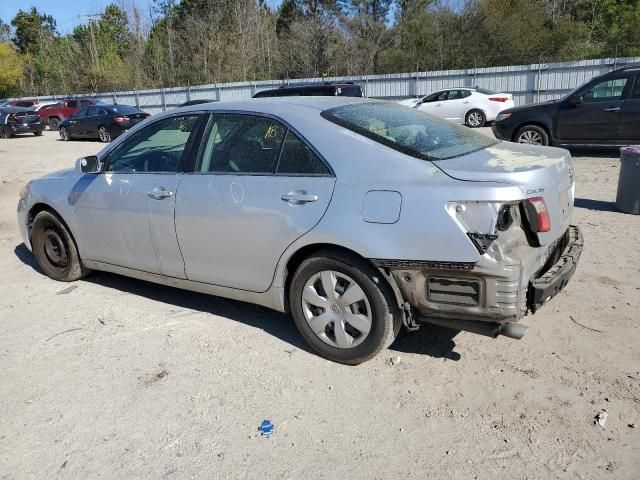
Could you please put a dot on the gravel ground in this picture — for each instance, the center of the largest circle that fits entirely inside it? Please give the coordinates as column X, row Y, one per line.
column 118, row 378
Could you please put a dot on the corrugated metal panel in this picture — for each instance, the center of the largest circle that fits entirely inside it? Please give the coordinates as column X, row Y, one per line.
column 527, row 83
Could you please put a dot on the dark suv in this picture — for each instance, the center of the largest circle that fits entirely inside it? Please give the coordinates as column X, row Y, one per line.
column 604, row 111
column 329, row 89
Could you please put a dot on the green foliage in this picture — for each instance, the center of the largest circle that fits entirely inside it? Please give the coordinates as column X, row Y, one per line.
column 190, row 42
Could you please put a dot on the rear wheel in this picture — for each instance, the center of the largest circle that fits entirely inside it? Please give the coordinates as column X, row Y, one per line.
column 343, row 308
column 3, row 133
column 532, row 135
column 64, row 134
column 475, row 119
column 104, row 134
column 54, row 123
column 38, row 133
column 55, row 250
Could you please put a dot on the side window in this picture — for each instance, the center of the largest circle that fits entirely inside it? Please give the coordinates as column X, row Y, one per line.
column 635, row 93
column 431, row 98
column 242, row 144
column 456, row 94
column 85, row 103
column 93, row 111
column 157, row 148
column 100, row 111
column 465, row 93
column 443, row 96
column 81, row 113
column 297, row 158
column 72, row 104
column 604, row 91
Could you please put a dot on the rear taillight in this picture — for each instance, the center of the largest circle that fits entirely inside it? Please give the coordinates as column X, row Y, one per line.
column 120, row 119
column 499, row 99
column 538, row 214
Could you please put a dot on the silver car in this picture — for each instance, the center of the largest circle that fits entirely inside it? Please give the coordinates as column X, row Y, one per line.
column 359, row 217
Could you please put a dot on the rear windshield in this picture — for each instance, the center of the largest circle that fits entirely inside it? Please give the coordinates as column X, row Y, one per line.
column 485, row 91
column 123, row 109
column 408, row 130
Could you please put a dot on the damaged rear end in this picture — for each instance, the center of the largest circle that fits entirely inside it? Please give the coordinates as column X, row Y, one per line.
column 528, row 251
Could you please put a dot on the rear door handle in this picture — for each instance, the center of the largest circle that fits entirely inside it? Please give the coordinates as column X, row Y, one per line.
column 159, row 193
column 299, row 197
column 612, row 109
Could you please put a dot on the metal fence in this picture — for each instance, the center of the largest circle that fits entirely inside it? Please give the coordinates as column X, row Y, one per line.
column 527, row 83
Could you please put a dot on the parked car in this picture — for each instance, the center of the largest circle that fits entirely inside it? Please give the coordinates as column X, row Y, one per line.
column 604, row 111
column 16, row 120
column 195, row 102
column 62, row 110
column 328, row 89
column 356, row 216
column 104, row 122
column 39, row 106
column 19, row 103
column 473, row 107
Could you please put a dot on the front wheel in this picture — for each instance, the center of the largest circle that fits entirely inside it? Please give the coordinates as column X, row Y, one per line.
column 54, row 123
column 38, row 133
column 54, row 249
column 475, row 119
column 64, row 134
column 532, row 135
column 4, row 134
column 104, row 135
column 343, row 307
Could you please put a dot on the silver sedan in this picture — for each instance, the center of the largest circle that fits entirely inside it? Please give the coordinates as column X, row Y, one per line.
column 359, row 217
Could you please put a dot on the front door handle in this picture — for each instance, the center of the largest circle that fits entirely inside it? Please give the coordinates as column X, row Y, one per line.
column 299, row 197
column 159, row 193
column 612, row 109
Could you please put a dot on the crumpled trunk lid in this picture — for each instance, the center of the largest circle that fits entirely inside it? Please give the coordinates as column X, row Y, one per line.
column 538, row 171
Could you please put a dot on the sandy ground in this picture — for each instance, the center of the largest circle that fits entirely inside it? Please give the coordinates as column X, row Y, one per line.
column 124, row 379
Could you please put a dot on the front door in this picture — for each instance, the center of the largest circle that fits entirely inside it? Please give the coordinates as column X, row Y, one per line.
column 256, row 188
column 595, row 113
column 630, row 115
column 76, row 126
column 126, row 214
column 434, row 104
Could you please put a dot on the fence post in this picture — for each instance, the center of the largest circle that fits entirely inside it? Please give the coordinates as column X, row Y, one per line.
column 115, row 98
column 137, row 99
column 189, row 93
column 538, row 79
column 219, row 93
column 164, row 100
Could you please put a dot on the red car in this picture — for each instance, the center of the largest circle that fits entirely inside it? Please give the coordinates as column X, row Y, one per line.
column 62, row 110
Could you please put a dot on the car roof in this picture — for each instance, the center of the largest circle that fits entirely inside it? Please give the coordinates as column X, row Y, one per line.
column 275, row 105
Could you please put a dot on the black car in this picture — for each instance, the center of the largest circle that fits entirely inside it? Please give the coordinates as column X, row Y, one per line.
column 101, row 121
column 604, row 111
column 329, row 89
column 195, row 102
column 15, row 120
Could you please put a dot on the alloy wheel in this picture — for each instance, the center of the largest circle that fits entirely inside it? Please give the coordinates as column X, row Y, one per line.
column 104, row 135
column 336, row 309
column 64, row 134
column 474, row 119
column 530, row 137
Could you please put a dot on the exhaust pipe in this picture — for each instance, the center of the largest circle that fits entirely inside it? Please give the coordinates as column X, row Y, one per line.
column 488, row 329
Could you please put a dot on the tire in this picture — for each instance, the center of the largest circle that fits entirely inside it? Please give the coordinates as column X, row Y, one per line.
column 64, row 134
column 3, row 133
column 55, row 250
column 475, row 119
column 103, row 134
column 38, row 133
column 374, row 307
column 54, row 123
column 532, row 135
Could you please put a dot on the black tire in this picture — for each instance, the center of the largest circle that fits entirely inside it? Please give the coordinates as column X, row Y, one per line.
column 532, row 135
column 3, row 133
column 38, row 133
column 384, row 314
column 54, row 123
column 65, row 136
column 475, row 119
column 104, row 134
column 55, row 250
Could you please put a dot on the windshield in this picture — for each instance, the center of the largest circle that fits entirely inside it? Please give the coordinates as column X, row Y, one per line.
column 408, row 130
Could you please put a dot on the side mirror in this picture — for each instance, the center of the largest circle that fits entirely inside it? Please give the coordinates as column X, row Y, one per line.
column 88, row 164
column 574, row 100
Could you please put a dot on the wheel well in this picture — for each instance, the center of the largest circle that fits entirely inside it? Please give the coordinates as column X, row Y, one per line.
column 307, row 251
column 536, row 124
column 41, row 207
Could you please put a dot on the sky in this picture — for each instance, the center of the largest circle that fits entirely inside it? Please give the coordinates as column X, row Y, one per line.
column 69, row 13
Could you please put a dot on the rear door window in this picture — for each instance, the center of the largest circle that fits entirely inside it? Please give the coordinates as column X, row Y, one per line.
column 635, row 93
column 605, row 91
column 81, row 113
column 296, row 158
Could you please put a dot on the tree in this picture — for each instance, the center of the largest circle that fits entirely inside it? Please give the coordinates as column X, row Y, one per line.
column 32, row 30
column 11, row 71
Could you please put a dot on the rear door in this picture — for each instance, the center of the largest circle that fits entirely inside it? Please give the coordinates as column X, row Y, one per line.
column 126, row 214
column 76, row 125
column 91, row 122
column 456, row 105
column 596, row 116
column 257, row 187
column 630, row 114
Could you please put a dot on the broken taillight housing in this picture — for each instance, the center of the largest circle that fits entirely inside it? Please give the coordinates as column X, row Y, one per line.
column 537, row 214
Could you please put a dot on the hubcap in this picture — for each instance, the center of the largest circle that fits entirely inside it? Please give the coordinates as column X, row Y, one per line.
column 475, row 119
column 104, row 135
column 531, row 137
column 64, row 134
column 336, row 309
column 55, row 249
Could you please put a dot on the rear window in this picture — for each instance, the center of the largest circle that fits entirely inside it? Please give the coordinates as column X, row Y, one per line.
column 485, row 91
column 124, row 109
column 408, row 130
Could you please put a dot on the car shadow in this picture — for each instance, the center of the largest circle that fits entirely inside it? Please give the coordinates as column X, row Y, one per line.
column 600, row 205
column 429, row 340
column 600, row 152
